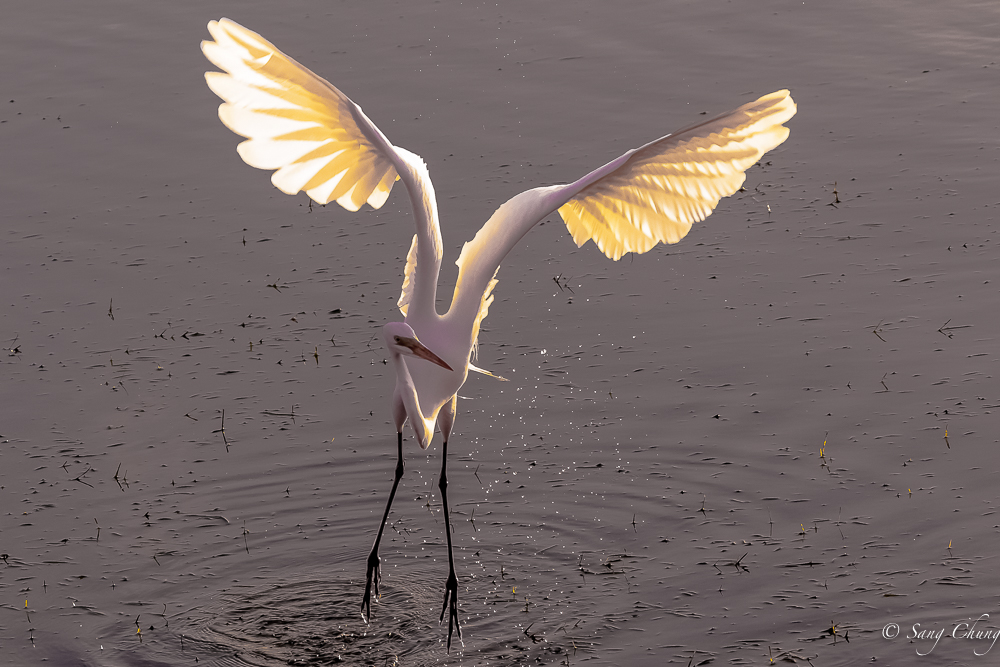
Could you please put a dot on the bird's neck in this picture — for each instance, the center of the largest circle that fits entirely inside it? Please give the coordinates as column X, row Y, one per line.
column 407, row 392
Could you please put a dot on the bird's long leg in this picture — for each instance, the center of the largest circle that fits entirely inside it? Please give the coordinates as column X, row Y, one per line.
column 451, row 586
column 374, row 562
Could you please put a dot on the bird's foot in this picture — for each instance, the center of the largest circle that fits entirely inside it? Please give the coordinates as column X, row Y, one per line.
column 451, row 606
column 371, row 586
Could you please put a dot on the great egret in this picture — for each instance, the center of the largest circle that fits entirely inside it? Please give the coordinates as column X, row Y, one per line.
column 318, row 140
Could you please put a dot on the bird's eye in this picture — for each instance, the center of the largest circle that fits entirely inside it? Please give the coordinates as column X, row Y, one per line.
column 396, row 338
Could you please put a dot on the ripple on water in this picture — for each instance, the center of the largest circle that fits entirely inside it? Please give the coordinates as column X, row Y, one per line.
column 316, row 621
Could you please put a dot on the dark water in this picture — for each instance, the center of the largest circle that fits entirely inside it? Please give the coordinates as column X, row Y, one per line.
column 711, row 453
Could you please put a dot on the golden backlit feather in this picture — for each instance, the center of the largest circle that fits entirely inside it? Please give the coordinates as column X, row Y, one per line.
column 317, row 140
column 661, row 189
column 295, row 122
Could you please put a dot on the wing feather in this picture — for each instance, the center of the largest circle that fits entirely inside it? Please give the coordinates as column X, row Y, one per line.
column 655, row 193
column 295, row 122
column 477, row 369
column 409, row 277
column 484, row 310
column 647, row 196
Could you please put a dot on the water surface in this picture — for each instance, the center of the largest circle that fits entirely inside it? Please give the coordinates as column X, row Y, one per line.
column 766, row 442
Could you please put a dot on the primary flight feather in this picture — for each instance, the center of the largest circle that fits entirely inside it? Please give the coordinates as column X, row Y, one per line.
column 319, row 141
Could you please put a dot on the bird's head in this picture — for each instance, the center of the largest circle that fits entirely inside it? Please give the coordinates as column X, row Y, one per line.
column 400, row 339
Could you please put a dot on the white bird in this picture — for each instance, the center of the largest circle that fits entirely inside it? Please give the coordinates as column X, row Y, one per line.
column 318, row 140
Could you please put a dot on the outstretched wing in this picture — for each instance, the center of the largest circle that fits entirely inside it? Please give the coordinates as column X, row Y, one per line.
column 649, row 195
column 318, row 140
column 295, row 122
column 655, row 193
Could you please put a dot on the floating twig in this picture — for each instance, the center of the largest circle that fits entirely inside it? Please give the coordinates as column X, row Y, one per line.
column 563, row 283
column 122, row 480
column 946, row 330
column 878, row 328
column 80, row 477
column 223, row 429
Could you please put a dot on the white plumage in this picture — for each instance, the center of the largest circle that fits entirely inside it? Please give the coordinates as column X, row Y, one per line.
column 318, row 141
